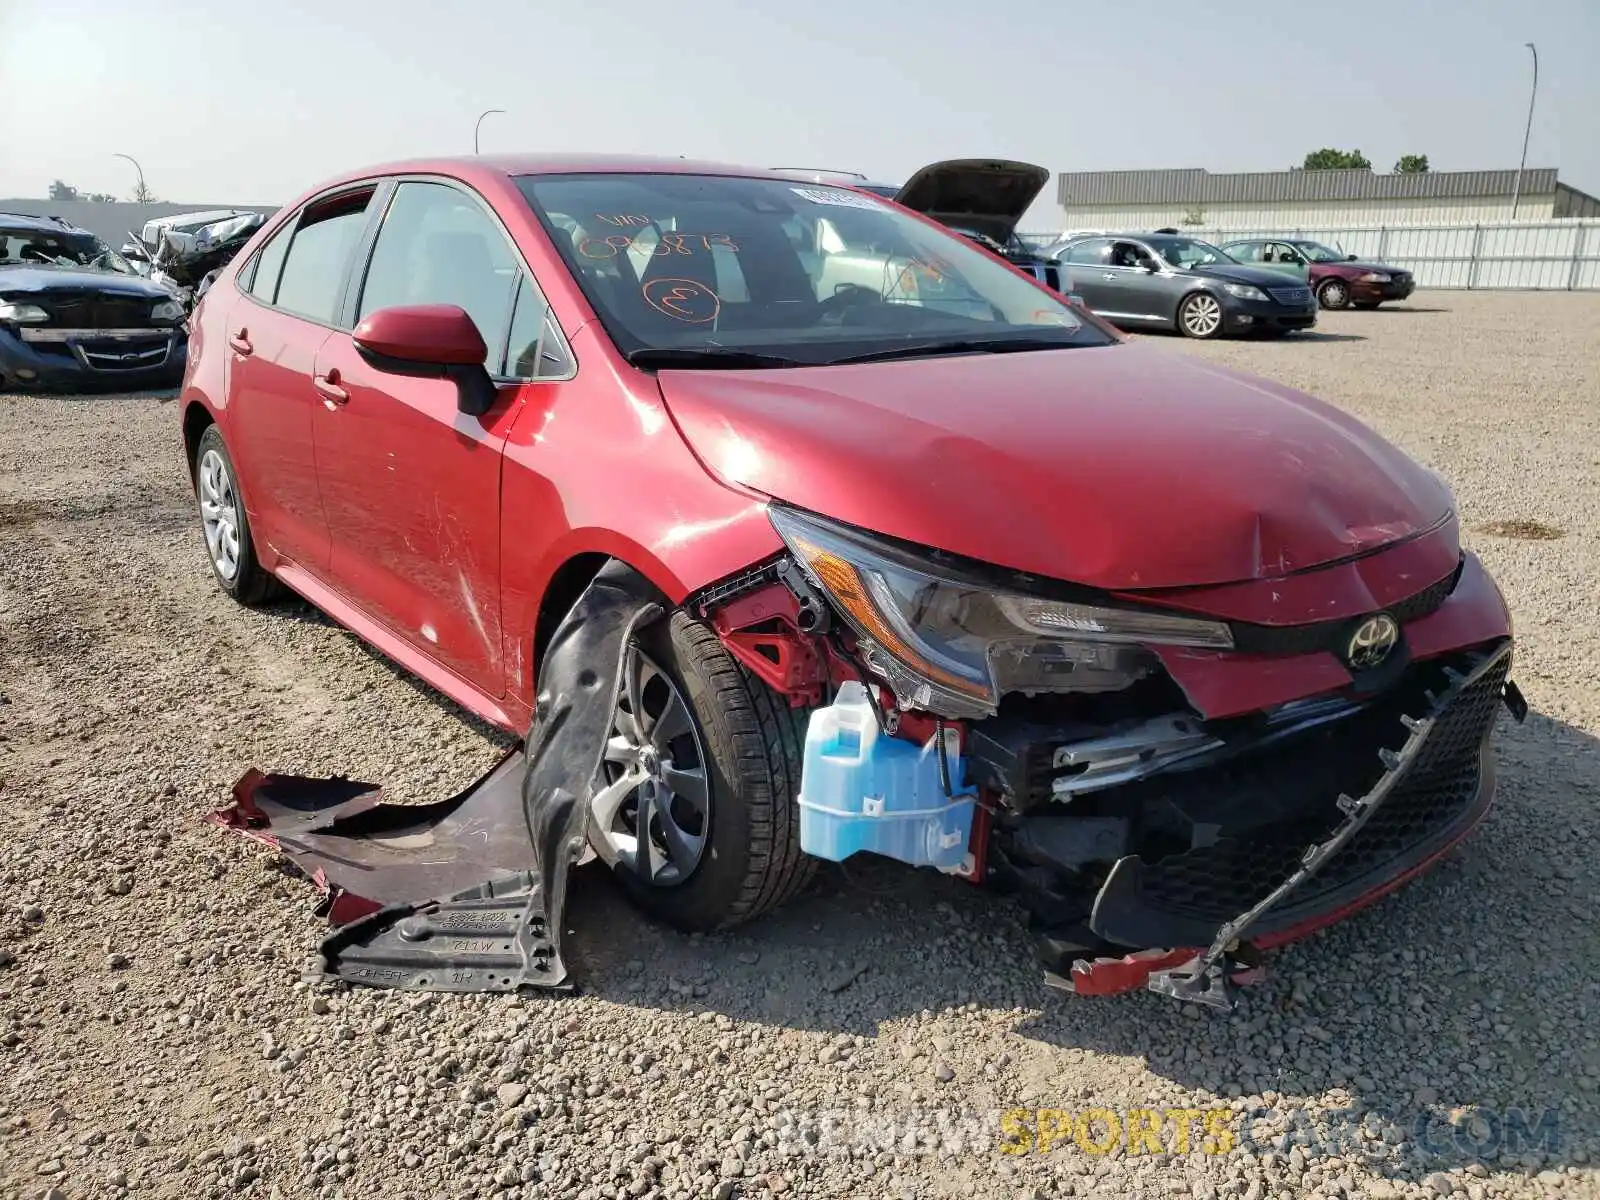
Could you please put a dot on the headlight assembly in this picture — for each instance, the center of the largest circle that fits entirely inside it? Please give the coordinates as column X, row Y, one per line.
column 167, row 310
column 22, row 314
column 954, row 646
column 1375, row 277
column 1243, row 291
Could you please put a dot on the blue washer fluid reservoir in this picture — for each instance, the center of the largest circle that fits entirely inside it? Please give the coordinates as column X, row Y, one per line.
column 861, row 789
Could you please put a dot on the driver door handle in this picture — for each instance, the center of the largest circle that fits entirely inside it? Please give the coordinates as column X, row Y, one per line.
column 1109, row 275
column 328, row 386
column 240, row 342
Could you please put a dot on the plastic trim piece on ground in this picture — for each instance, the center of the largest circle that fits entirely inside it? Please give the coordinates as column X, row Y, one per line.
column 464, row 895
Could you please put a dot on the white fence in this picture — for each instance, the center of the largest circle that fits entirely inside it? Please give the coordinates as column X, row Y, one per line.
column 1544, row 255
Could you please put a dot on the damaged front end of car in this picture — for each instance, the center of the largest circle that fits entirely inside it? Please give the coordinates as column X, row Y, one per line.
column 1167, row 794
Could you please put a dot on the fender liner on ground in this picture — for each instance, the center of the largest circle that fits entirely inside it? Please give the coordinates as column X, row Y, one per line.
column 466, row 894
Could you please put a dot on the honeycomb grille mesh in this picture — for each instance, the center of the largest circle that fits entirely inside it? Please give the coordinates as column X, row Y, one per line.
column 1222, row 880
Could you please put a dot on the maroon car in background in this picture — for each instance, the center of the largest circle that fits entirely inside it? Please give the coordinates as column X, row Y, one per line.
column 1340, row 280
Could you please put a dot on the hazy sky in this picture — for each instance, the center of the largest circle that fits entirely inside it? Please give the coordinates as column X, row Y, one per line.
column 251, row 101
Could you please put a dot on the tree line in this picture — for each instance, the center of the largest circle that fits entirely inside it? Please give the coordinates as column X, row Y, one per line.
column 1329, row 159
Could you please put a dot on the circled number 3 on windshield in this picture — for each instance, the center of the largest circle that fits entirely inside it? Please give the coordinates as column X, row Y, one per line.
column 683, row 299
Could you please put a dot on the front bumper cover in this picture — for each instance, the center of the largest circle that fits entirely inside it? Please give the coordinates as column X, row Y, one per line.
column 86, row 359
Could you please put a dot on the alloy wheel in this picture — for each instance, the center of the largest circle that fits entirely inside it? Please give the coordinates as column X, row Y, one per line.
column 1202, row 315
column 219, row 514
column 1335, row 294
column 653, row 816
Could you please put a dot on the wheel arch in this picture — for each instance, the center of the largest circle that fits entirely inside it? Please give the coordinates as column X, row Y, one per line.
column 196, row 417
column 575, row 564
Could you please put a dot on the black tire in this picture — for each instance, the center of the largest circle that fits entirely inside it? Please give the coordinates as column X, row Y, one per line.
column 1367, row 305
column 753, row 741
column 251, row 584
column 1333, row 294
column 1189, row 313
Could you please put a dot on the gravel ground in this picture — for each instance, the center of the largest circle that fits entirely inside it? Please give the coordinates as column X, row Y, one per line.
column 156, row 1041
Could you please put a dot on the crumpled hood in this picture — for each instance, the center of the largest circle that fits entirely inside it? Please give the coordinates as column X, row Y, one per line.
column 1120, row 467
column 43, row 279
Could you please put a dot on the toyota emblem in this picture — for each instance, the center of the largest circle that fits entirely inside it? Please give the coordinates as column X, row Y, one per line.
column 1372, row 642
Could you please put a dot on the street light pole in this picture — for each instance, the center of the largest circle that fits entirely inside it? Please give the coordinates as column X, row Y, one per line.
column 1516, row 192
column 142, row 190
column 479, row 122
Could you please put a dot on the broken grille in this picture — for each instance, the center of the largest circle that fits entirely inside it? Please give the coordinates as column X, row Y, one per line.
column 1222, row 880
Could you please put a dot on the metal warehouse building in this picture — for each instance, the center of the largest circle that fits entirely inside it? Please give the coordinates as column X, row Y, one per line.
column 1312, row 199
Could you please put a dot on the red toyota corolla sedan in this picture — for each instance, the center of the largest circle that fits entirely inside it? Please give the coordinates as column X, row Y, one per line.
column 1190, row 662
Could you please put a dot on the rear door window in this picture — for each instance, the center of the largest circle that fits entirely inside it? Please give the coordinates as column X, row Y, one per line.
column 314, row 270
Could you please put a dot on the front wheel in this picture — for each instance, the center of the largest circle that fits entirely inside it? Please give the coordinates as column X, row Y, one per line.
column 1368, row 305
column 697, row 814
column 1200, row 315
column 1334, row 293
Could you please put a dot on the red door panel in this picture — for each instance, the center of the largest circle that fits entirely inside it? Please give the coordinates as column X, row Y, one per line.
column 271, row 356
column 412, row 491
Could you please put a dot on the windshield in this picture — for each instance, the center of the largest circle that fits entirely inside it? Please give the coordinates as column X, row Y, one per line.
column 59, row 248
column 1188, row 252
column 1317, row 252
column 806, row 274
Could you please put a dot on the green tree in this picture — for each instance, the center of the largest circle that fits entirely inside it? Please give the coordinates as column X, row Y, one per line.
column 1329, row 159
column 1412, row 164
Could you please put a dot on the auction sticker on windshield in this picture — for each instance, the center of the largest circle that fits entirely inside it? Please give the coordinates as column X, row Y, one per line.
column 836, row 196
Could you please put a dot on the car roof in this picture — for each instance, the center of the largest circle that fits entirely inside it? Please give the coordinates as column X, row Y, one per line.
column 488, row 166
column 43, row 224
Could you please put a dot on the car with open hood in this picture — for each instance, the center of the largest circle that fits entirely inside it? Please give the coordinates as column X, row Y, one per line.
column 1340, row 280
column 983, row 199
column 791, row 566
column 75, row 315
column 1173, row 281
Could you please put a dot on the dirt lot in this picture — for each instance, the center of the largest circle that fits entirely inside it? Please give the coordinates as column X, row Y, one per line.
column 155, row 1039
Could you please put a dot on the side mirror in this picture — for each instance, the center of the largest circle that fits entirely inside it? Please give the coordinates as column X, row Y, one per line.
column 1349, row 258
column 1149, row 264
column 430, row 341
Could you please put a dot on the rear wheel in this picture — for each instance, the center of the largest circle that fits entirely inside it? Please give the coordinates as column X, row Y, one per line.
column 1334, row 293
column 226, row 526
column 697, row 815
column 1200, row 315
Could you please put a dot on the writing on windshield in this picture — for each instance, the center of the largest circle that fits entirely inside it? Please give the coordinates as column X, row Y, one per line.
column 763, row 267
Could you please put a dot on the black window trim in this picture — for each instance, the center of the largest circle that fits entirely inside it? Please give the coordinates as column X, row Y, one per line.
column 377, row 186
column 362, row 263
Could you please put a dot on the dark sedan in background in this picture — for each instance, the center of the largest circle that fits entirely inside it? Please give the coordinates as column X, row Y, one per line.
column 1340, row 280
column 1164, row 280
column 74, row 315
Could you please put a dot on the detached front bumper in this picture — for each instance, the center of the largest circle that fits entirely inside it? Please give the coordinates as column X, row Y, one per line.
column 52, row 359
column 1282, row 841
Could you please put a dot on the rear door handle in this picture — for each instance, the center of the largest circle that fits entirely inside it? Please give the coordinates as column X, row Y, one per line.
column 328, row 385
column 240, row 342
